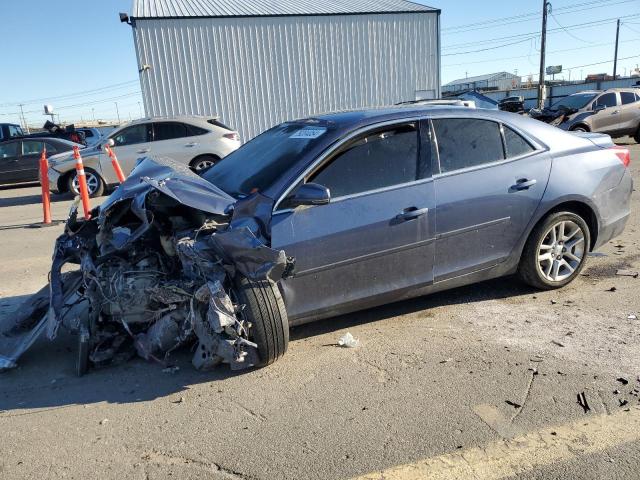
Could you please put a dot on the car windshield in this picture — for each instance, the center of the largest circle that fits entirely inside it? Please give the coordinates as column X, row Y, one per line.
column 258, row 163
column 574, row 102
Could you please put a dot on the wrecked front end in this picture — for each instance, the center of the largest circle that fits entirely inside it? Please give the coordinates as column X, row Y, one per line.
column 158, row 264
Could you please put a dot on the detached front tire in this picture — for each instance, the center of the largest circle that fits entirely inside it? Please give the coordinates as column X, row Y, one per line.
column 555, row 252
column 264, row 309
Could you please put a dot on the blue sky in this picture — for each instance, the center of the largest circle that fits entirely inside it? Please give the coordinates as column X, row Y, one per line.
column 57, row 54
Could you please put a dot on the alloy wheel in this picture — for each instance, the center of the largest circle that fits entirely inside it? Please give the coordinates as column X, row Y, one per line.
column 92, row 183
column 202, row 165
column 561, row 251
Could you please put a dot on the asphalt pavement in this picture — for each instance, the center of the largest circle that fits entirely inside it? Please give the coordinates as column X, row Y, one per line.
column 480, row 382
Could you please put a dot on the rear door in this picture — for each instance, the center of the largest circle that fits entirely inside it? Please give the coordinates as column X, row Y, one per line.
column 375, row 237
column 132, row 143
column 490, row 182
column 30, row 160
column 606, row 120
column 9, row 160
column 629, row 112
column 170, row 139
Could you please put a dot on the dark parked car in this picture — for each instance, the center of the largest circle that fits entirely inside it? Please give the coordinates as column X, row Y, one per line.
column 10, row 130
column 512, row 104
column 19, row 157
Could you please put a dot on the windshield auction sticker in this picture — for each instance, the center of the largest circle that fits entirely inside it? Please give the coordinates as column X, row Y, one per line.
column 308, row 132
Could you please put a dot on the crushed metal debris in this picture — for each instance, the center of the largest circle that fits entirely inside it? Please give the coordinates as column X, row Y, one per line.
column 159, row 263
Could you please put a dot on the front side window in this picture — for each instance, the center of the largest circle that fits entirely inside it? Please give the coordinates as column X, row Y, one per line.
column 169, row 131
column 628, row 97
column 467, row 142
column 607, row 100
column 131, row 135
column 9, row 149
column 31, row 147
column 380, row 159
column 516, row 145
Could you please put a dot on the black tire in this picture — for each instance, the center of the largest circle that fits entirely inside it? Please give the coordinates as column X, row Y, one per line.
column 579, row 128
column 95, row 183
column 529, row 269
column 636, row 137
column 202, row 163
column 264, row 309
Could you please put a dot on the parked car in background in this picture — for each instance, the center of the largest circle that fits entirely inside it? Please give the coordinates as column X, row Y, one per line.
column 198, row 142
column 20, row 157
column 53, row 130
column 512, row 104
column 10, row 130
column 615, row 112
column 91, row 135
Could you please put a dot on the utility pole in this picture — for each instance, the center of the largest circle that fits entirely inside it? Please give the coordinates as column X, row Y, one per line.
column 24, row 121
column 117, row 112
column 543, row 46
column 615, row 58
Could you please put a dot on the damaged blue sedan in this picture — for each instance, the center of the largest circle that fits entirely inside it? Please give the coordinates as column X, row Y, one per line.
column 320, row 217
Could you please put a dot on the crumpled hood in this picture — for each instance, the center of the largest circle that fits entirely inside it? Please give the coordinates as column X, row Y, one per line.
column 173, row 179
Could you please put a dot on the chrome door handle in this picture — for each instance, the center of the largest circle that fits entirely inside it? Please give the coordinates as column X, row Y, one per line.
column 192, row 144
column 411, row 213
column 144, row 150
column 524, row 184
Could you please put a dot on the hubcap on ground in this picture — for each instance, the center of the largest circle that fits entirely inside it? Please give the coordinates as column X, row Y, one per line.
column 561, row 251
column 92, row 183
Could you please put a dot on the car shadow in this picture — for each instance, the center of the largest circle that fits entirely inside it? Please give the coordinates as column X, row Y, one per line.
column 32, row 200
column 506, row 287
column 46, row 379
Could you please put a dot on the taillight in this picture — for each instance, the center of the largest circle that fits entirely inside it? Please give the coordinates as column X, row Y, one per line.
column 232, row 136
column 623, row 154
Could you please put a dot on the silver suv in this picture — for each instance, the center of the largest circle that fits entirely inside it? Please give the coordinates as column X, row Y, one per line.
column 615, row 112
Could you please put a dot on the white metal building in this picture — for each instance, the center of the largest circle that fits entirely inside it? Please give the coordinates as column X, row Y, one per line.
column 258, row 63
column 488, row 82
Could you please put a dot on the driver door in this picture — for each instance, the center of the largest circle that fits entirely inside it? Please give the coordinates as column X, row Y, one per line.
column 132, row 143
column 374, row 241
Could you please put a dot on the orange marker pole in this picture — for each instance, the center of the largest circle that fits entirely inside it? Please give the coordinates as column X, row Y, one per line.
column 44, row 182
column 114, row 162
column 82, row 181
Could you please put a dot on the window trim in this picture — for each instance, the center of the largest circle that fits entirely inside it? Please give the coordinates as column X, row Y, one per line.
column 537, row 147
column 332, row 149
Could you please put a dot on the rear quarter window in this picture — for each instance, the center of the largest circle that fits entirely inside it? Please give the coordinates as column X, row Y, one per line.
column 515, row 144
column 465, row 142
column 628, row 97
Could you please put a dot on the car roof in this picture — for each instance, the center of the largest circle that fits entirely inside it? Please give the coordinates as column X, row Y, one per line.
column 185, row 118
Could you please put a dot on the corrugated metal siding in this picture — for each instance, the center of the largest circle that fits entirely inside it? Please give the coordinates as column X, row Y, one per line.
column 230, row 8
column 257, row 72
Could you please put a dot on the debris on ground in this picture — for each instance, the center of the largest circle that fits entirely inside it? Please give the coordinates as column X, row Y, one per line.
column 347, row 341
column 628, row 273
column 173, row 369
column 632, row 316
column 612, row 289
column 513, row 404
column 158, row 263
column 555, row 342
column 582, row 401
column 622, row 380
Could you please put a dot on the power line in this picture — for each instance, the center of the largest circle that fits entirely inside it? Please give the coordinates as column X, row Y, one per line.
column 71, row 95
column 95, row 102
column 533, row 15
column 567, row 31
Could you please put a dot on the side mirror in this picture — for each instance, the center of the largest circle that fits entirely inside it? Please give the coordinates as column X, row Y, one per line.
column 598, row 108
column 307, row 194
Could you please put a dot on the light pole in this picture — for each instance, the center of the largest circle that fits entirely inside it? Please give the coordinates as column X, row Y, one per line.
column 117, row 112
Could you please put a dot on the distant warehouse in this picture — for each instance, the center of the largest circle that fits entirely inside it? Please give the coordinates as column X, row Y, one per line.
column 483, row 83
column 257, row 64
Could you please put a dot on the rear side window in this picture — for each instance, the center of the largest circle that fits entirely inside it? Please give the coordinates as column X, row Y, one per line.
column 51, row 148
column 628, row 97
column 169, row 130
column 378, row 159
column 515, row 144
column 465, row 142
column 193, row 130
column 607, row 100
column 31, row 147
column 218, row 123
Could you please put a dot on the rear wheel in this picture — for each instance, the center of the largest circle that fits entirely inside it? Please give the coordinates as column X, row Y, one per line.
column 636, row 137
column 95, row 184
column 264, row 309
column 579, row 128
column 555, row 252
column 203, row 163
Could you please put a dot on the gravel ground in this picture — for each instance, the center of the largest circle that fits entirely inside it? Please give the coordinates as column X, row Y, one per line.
column 476, row 382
